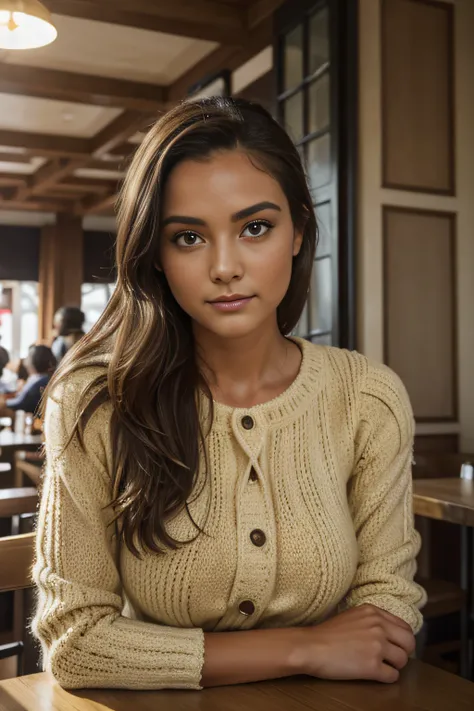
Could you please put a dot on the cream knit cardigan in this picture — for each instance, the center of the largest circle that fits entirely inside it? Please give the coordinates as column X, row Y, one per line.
column 323, row 470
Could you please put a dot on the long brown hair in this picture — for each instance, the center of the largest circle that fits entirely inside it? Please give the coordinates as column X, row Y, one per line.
column 152, row 377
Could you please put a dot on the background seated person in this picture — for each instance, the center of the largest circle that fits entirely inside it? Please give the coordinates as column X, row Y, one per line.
column 40, row 365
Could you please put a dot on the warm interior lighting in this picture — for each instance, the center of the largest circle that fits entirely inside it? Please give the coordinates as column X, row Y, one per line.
column 25, row 24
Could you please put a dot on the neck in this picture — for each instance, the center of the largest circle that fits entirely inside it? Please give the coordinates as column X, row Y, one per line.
column 243, row 371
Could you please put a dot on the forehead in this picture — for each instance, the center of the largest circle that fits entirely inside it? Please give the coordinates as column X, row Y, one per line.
column 227, row 181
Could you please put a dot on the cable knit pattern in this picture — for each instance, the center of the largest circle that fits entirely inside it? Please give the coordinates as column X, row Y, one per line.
column 324, row 470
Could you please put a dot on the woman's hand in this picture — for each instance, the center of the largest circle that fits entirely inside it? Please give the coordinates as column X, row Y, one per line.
column 362, row 643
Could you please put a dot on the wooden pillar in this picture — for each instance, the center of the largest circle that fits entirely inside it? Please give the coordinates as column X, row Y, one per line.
column 60, row 270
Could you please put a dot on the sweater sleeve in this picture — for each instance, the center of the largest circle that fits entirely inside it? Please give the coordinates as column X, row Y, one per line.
column 85, row 639
column 380, row 498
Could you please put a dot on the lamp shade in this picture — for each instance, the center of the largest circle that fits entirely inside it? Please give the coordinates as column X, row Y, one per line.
column 25, row 24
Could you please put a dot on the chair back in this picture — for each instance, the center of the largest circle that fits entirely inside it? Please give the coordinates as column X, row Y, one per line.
column 16, row 562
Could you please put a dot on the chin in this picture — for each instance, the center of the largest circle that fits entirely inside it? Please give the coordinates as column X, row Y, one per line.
column 230, row 326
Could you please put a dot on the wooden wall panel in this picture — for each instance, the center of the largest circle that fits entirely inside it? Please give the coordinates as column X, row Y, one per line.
column 60, row 270
column 420, row 308
column 418, row 95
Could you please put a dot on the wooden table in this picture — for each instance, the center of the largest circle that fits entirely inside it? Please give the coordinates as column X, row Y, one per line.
column 10, row 441
column 453, row 500
column 421, row 687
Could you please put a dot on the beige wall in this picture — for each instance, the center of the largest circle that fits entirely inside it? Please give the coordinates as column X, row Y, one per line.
column 372, row 196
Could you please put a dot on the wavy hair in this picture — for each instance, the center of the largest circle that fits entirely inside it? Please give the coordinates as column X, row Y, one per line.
column 152, row 376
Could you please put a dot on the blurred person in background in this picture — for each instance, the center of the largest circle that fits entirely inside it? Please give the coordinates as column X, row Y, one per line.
column 40, row 365
column 4, row 360
column 68, row 329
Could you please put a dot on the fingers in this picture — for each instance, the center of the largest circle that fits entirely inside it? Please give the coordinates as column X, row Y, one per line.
column 387, row 674
column 400, row 637
column 395, row 656
column 395, row 620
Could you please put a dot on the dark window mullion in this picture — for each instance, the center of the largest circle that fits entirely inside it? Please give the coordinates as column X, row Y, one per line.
column 283, row 95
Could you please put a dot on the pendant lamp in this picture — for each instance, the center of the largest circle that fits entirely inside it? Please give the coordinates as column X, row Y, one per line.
column 25, row 24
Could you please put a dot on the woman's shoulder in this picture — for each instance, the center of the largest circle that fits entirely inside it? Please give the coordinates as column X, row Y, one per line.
column 365, row 378
column 82, row 391
column 71, row 386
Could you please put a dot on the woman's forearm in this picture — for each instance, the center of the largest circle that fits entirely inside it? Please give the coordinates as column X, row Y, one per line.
column 251, row 655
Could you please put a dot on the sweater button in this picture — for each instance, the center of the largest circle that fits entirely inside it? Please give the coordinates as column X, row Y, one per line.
column 258, row 538
column 247, row 608
column 247, row 422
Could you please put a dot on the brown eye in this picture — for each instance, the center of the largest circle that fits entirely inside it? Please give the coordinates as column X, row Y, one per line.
column 256, row 229
column 186, row 239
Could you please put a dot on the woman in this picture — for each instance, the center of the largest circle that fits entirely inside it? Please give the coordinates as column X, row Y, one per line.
column 40, row 365
column 68, row 329
column 245, row 494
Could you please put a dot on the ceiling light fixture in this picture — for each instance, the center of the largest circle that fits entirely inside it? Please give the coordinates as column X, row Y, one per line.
column 25, row 24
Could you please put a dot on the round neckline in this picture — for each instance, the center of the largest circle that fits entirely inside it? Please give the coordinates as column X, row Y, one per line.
column 220, row 407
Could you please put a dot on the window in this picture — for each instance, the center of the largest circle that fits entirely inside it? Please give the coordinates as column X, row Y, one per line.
column 316, row 55
column 19, row 306
column 95, row 298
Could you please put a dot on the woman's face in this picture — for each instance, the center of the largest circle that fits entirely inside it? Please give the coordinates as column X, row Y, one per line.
column 227, row 232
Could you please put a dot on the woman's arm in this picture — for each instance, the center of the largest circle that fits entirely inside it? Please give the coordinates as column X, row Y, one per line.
column 380, row 497
column 86, row 641
column 27, row 398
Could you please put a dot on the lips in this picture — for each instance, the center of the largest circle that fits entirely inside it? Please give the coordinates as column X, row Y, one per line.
column 230, row 297
column 235, row 302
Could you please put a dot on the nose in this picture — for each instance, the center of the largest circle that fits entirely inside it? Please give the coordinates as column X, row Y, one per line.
column 226, row 262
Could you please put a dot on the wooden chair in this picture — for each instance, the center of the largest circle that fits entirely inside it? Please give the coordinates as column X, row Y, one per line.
column 444, row 596
column 16, row 560
column 17, row 501
column 29, row 464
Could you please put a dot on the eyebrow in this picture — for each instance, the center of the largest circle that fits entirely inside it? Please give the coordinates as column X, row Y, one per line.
column 236, row 217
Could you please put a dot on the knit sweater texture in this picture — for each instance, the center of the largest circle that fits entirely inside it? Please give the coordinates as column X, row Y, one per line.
column 307, row 507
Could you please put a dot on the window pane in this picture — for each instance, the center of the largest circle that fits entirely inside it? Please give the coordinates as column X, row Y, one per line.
column 320, row 296
column 95, row 298
column 293, row 116
column 319, row 165
column 293, row 58
column 318, row 40
column 322, row 340
column 323, row 217
column 319, row 107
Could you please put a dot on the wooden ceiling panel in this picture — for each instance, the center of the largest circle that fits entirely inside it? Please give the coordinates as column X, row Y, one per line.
column 202, row 19
column 81, row 88
column 115, row 52
column 142, row 57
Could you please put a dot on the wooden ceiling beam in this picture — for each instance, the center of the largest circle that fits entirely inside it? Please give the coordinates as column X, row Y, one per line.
column 199, row 19
column 79, row 88
column 224, row 57
column 48, row 175
column 118, row 131
column 86, row 185
column 93, row 205
column 41, row 144
column 12, row 179
column 37, row 205
column 55, row 170
column 115, row 163
column 14, row 158
column 261, row 10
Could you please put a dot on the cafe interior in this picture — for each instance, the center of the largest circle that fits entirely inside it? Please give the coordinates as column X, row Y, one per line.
column 378, row 96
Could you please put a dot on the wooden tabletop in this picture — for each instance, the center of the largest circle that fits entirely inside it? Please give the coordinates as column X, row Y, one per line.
column 422, row 687
column 445, row 499
column 11, row 440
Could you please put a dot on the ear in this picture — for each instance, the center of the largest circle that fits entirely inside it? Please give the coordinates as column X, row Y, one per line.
column 297, row 242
